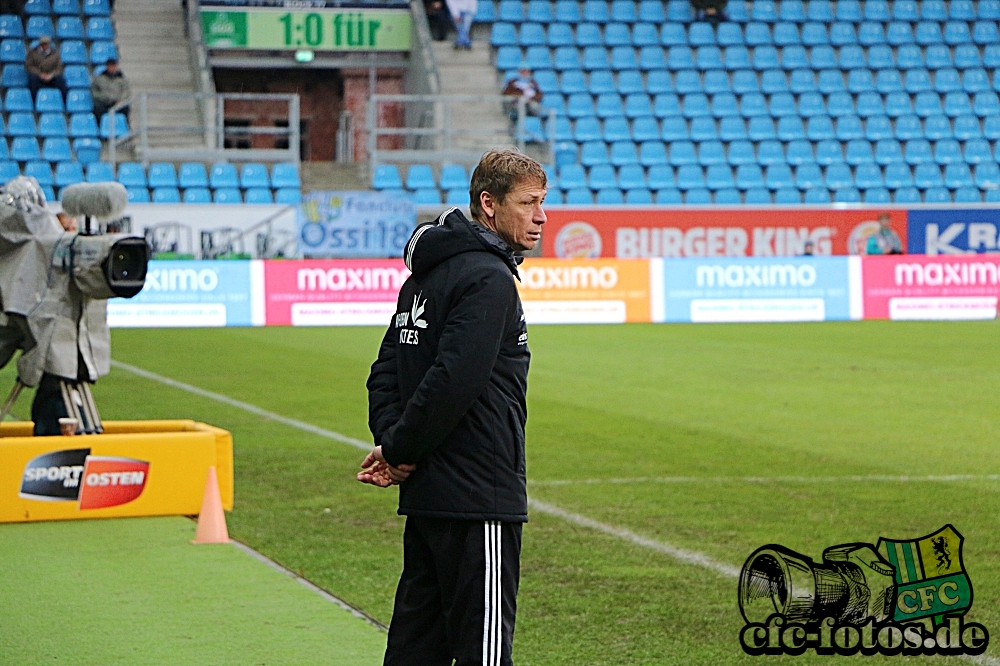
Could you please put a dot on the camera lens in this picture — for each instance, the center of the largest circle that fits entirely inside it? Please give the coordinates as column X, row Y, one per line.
column 125, row 267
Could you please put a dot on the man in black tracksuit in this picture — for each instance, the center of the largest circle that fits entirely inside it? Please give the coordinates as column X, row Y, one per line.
column 447, row 409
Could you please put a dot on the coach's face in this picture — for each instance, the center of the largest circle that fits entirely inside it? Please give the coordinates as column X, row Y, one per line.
column 518, row 219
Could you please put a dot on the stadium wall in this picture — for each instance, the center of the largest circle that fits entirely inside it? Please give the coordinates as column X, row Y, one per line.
column 359, row 292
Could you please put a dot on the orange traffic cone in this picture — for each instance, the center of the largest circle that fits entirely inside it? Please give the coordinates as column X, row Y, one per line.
column 212, row 519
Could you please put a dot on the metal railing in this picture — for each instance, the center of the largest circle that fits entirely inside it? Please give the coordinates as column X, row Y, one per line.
column 181, row 142
column 345, row 137
column 435, row 137
column 204, row 81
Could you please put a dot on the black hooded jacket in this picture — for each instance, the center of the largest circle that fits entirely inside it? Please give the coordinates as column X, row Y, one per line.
column 448, row 389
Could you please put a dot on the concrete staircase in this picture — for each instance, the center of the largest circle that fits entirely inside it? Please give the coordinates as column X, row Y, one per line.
column 472, row 73
column 154, row 56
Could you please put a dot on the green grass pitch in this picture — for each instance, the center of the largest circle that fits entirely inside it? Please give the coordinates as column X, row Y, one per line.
column 615, row 412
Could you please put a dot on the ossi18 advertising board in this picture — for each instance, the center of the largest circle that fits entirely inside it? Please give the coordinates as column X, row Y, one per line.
column 639, row 233
column 757, row 290
column 189, row 293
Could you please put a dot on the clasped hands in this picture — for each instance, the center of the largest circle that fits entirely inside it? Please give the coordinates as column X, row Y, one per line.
column 377, row 472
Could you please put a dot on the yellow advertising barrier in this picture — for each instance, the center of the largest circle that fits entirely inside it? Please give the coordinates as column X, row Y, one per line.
column 135, row 468
column 585, row 291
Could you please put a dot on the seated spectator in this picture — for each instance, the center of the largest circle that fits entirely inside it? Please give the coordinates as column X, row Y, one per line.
column 438, row 19
column 109, row 88
column 45, row 67
column 710, row 10
column 523, row 86
column 809, row 249
column 462, row 12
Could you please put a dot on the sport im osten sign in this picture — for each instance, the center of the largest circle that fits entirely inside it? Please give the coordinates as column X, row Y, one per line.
column 319, row 30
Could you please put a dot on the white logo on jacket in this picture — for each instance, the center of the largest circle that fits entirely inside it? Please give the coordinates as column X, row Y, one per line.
column 414, row 317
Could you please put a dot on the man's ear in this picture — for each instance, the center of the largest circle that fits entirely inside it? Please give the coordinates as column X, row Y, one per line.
column 487, row 203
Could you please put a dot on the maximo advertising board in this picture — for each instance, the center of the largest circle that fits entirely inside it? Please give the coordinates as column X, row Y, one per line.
column 757, row 290
column 332, row 292
column 968, row 231
column 604, row 291
column 639, row 233
column 187, row 293
column 931, row 287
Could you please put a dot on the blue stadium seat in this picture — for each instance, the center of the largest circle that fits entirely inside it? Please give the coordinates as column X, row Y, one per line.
column 868, row 176
column 510, row 57
column 12, row 50
column 680, row 57
column 503, row 34
column 77, row 76
column 790, row 128
column 975, row 81
column 602, row 176
column 840, row 104
column 928, row 33
column 794, row 57
column 852, row 56
column 847, row 195
column 937, row 195
column 947, row 151
column 987, row 175
column 906, row 195
column 96, row 8
column 725, row 105
column 732, row 129
column 870, row 104
column 695, row 105
column 595, row 57
column 510, row 10
column 745, row 81
column 37, row 7
column 69, row 27
column 162, row 174
column 631, row 176
column 679, row 11
column 842, row 34
column 878, row 128
column 957, row 175
column 18, row 99
column 967, row 56
column 21, row 124
column 456, row 196
column 927, row 175
column 888, row 151
column 831, row 81
column 770, row 152
column 230, row 195
column 757, row 34
column 968, row 128
column 596, row 11
column 100, row 28
column 779, row 176
column 674, row 34
column 811, row 104
column 39, row 26
column 838, row 176
column 651, row 11
column 849, row 128
column 787, row 196
column 593, row 153
column 938, row 56
column 638, row 196
column 927, row 104
column 652, row 58
column 73, row 52
column 749, row 176
column 860, row 81
column 532, row 34
column 968, row 195
column 54, row 149
column 870, row 34
column 782, row 104
column 453, row 176
column 166, row 195
column 717, row 82
column 52, row 124
column 819, row 128
column 425, row 196
column 661, row 177
column 985, row 32
column 741, row 152
column 773, row 81
column 130, row 174
column 102, row 172
column 802, row 81
column 918, row 151
column 786, row 34
column 829, row 152
column 898, row 175
column 40, row 170
column 947, row 80
column 934, row 10
column 579, row 195
column 880, row 57
column 708, row 58
column 761, row 129
column 675, row 128
column 764, row 10
column 808, row 176
column 753, row 105
column 957, row 32
column 572, row 176
column 622, row 57
column 623, row 152
column 580, row 105
column 937, row 128
column 384, row 177
column 736, row 57
column 888, row 81
column 137, row 194
column 766, row 57
column 609, row 105
column 908, row 128
column 567, row 11
column 10, row 26
column 701, row 34
column 589, row 34
column 858, row 152
column 4, row 150
column 9, row 170
column 758, row 196
column 121, row 129
column 587, row 128
column 198, row 195
column 711, row 152
column 645, row 34
column 792, row 10
column 698, row 196
column 574, row 81
column 957, row 104
column 899, row 34
column 485, row 12
column 977, row 151
column 800, row 152
column 917, row 80
column 419, row 176
column 645, row 129
column 823, row 57
column 624, row 10
column 77, row 101
column 682, row 153
column 68, row 173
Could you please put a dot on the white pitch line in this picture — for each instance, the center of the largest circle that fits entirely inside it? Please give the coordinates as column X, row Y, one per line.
column 687, row 556
column 245, row 406
column 932, row 478
column 681, row 554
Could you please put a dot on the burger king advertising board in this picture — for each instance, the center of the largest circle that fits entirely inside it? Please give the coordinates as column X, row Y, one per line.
column 641, row 233
column 602, row 291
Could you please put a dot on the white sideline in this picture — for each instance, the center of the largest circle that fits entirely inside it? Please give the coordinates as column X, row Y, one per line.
column 245, row 406
column 932, row 478
column 681, row 554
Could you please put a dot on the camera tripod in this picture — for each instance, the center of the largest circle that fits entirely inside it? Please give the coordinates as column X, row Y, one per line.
column 76, row 397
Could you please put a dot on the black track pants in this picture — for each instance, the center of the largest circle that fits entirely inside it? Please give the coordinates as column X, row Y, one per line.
column 457, row 596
